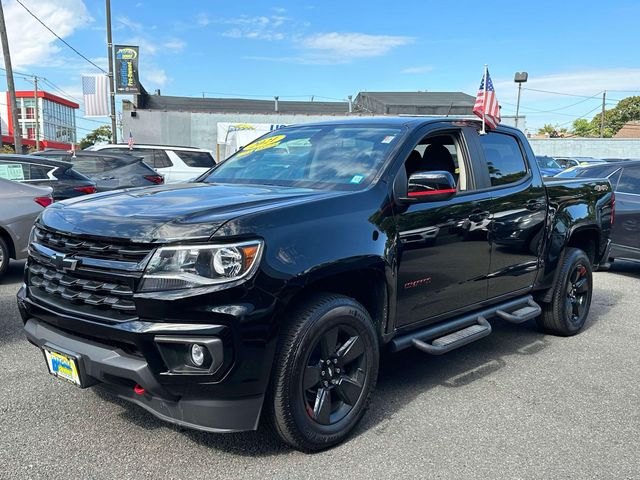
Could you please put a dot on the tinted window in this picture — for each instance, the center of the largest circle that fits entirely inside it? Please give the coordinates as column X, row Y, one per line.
column 196, row 159
column 161, row 159
column 597, row 172
column 88, row 165
column 328, row 156
column 630, row 180
column 40, row 172
column 504, row 158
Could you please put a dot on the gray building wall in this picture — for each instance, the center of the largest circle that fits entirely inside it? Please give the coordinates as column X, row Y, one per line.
column 587, row 147
column 199, row 129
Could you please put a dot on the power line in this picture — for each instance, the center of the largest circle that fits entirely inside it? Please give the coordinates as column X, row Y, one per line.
column 558, row 93
column 59, row 38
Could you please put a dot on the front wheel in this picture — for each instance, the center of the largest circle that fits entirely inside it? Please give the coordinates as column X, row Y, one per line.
column 326, row 368
column 567, row 312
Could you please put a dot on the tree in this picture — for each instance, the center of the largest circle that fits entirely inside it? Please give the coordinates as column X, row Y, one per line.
column 615, row 118
column 583, row 128
column 100, row 134
column 552, row 131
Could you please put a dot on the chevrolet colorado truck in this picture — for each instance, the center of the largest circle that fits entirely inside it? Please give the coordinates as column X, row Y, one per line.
column 268, row 287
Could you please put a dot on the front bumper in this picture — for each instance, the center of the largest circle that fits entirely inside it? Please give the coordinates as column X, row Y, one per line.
column 118, row 372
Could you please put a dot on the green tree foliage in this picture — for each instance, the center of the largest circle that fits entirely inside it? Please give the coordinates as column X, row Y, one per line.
column 100, row 134
column 614, row 119
column 583, row 128
column 552, row 131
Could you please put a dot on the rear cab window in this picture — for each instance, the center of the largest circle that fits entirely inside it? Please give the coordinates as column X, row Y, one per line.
column 630, row 180
column 196, row 159
column 504, row 158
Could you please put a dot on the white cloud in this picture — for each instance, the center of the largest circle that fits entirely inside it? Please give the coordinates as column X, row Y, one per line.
column 257, row 27
column 579, row 82
column 345, row 47
column 154, row 77
column 417, row 70
column 203, row 19
column 123, row 21
column 174, row 45
column 30, row 42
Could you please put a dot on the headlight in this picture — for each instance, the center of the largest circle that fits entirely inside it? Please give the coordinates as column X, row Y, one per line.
column 190, row 266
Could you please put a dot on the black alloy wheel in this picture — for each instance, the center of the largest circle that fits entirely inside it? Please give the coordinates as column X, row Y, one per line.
column 577, row 294
column 566, row 312
column 325, row 369
column 335, row 375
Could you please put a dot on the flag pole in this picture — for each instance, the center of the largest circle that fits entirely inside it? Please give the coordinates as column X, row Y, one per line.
column 484, row 99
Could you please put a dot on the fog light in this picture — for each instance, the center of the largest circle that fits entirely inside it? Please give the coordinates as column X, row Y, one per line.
column 197, row 355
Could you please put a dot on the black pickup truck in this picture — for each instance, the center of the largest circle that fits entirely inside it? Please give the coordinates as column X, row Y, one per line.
column 269, row 286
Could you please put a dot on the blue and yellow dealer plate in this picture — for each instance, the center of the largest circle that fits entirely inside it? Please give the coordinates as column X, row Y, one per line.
column 62, row 366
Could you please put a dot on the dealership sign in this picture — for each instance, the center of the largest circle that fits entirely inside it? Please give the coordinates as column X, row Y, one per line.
column 127, row 69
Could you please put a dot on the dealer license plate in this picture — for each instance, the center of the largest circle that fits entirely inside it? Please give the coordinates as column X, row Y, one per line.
column 63, row 366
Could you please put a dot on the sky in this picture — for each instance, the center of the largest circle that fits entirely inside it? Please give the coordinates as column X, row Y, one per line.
column 331, row 49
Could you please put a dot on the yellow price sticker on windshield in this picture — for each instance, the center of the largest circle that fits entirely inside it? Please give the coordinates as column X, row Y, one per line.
column 261, row 145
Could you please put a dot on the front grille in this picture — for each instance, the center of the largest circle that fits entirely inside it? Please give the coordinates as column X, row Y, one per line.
column 82, row 293
column 108, row 250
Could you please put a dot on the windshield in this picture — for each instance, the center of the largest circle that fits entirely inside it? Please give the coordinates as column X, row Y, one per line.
column 338, row 157
column 548, row 162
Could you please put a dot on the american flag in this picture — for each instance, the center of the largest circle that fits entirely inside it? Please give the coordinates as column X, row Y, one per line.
column 130, row 140
column 487, row 106
column 94, row 91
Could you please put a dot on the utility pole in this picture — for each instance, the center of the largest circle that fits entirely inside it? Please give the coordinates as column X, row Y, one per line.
column 112, row 93
column 36, row 112
column 17, row 137
column 604, row 99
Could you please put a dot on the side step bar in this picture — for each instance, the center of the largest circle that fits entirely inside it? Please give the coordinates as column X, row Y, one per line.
column 456, row 339
column 457, row 332
column 530, row 311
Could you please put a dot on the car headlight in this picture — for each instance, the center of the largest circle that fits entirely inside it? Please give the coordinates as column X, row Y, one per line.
column 191, row 266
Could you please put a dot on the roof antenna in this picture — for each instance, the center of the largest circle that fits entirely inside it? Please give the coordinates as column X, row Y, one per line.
column 449, row 111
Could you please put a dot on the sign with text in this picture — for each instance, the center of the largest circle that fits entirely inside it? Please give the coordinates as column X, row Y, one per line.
column 126, row 73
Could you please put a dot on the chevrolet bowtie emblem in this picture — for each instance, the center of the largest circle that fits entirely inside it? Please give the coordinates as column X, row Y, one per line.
column 61, row 262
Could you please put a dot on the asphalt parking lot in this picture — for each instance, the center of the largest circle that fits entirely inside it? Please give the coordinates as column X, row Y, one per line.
column 518, row 404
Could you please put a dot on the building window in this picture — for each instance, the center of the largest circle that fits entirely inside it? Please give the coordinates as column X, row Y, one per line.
column 31, row 113
column 31, row 133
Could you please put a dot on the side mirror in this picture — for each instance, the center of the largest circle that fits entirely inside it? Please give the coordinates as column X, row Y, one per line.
column 430, row 187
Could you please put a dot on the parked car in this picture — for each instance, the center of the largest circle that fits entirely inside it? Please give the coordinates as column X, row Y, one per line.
column 548, row 166
column 269, row 287
column 20, row 204
column 567, row 162
column 625, row 178
column 110, row 171
column 61, row 176
column 175, row 164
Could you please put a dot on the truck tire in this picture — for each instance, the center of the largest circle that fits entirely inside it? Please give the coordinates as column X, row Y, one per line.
column 325, row 370
column 4, row 256
column 566, row 313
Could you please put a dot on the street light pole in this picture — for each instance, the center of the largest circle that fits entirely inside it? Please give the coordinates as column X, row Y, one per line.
column 112, row 94
column 520, row 78
column 17, row 137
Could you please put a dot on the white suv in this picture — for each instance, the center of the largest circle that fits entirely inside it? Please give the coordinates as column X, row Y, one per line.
column 176, row 164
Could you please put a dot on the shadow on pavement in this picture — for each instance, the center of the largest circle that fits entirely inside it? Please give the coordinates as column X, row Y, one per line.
column 403, row 376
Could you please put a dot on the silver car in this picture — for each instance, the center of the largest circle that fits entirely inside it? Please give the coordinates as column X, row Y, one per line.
column 20, row 205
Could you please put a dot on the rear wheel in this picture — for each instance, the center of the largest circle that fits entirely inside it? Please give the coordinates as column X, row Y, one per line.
column 326, row 368
column 569, row 307
column 4, row 256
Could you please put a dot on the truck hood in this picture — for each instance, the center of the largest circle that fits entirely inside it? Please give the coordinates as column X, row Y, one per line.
column 169, row 212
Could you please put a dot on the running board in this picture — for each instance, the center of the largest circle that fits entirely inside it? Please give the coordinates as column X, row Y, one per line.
column 456, row 339
column 521, row 315
column 450, row 334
